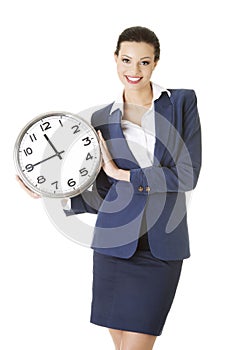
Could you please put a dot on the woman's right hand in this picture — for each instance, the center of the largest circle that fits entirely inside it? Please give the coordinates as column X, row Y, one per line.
column 26, row 189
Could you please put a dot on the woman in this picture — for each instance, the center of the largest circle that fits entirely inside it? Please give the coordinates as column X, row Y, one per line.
column 151, row 148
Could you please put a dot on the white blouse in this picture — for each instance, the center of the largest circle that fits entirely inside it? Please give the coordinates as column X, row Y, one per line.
column 141, row 139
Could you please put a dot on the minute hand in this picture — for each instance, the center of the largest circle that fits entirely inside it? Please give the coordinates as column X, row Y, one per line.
column 51, row 144
column 44, row 160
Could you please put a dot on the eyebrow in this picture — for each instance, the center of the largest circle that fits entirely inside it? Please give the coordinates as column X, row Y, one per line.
column 142, row 58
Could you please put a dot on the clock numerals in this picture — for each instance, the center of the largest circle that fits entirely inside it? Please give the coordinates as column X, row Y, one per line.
column 76, row 129
column 33, row 137
column 83, row 172
column 45, row 126
column 71, row 183
column 41, row 179
column 89, row 156
column 40, row 169
column 87, row 141
column 55, row 183
column 28, row 151
column 29, row 167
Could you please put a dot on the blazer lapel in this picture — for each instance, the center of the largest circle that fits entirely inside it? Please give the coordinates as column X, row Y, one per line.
column 163, row 123
column 118, row 145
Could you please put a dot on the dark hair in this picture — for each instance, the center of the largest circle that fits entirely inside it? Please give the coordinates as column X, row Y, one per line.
column 140, row 34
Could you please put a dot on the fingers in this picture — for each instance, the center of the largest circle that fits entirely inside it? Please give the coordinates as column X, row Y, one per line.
column 104, row 149
column 26, row 189
column 108, row 164
column 100, row 135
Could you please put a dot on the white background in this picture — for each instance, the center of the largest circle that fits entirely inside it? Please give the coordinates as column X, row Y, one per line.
column 58, row 55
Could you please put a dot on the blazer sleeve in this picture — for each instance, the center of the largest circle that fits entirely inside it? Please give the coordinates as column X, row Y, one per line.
column 181, row 176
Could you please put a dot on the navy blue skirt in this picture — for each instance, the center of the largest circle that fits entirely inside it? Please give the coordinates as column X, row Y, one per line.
column 133, row 294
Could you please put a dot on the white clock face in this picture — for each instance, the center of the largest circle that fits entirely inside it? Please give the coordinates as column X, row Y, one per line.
column 58, row 155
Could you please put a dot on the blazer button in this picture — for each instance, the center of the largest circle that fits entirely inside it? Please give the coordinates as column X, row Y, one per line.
column 140, row 188
column 147, row 189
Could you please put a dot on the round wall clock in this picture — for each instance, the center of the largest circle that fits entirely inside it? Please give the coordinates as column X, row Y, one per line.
column 57, row 154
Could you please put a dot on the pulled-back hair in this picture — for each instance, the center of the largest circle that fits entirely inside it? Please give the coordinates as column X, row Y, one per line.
column 140, row 34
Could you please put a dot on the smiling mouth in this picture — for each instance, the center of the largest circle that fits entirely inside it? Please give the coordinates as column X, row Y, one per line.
column 133, row 80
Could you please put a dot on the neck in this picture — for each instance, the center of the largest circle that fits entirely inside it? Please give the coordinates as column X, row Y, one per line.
column 141, row 97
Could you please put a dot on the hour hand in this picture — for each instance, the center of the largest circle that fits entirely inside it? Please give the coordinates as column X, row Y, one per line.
column 51, row 144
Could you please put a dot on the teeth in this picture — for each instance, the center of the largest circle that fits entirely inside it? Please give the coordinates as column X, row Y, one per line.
column 133, row 79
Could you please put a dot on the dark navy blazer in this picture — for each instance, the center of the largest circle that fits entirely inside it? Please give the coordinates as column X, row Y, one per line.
column 156, row 192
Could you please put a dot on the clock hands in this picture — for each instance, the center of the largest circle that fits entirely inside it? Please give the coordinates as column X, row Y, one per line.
column 51, row 144
column 54, row 155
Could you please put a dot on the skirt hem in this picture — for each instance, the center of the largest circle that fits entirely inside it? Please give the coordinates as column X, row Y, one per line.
column 127, row 329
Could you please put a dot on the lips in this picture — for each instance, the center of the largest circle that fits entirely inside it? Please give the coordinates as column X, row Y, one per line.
column 133, row 80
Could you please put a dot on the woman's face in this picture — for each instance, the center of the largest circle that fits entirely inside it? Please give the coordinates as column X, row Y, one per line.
column 135, row 64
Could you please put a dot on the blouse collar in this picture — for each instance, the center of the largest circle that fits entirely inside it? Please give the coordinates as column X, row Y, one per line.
column 157, row 92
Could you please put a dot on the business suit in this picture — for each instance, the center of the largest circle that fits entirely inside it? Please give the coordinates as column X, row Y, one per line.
column 134, row 284
column 158, row 192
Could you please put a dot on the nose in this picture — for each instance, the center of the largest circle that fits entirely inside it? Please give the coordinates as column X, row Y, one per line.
column 135, row 69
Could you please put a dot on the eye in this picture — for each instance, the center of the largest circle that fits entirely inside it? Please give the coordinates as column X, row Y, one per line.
column 125, row 60
column 145, row 63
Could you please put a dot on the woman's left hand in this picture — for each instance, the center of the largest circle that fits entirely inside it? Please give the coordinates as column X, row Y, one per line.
column 108, row 165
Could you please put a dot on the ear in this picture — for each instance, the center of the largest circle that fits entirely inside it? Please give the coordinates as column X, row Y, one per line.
column 115, row 57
